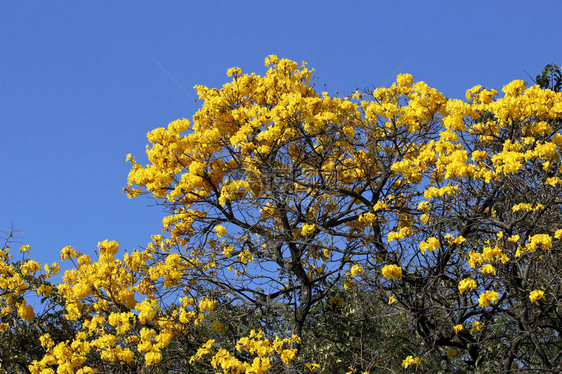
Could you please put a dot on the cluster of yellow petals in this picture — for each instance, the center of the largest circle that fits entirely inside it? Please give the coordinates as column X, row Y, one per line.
column 430, row 244
column 114, row 297
column 410, row 360
column 392, row 272
column 467, row 284
column 257, row 345
column 536, row 295
column 487, row 298
column 16, row 283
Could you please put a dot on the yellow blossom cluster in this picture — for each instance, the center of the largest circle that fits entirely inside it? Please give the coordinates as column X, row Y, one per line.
column 392, row 272
column 16, row 283
column 256, row 345
column 536, row 295
column 430, row 244
column 467, row 284
column 477, row 326
column 410, row 360
column 487, row 298
column 105, row 294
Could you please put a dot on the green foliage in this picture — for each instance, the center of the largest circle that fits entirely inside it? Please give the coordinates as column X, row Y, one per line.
column 551, row 78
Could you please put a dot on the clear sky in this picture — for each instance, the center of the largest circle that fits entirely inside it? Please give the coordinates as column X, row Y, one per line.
column 82, row 82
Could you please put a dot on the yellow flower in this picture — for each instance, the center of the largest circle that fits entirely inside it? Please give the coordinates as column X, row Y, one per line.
column 408, row 361
column 398, row 235
column 488, row 269
column 514, row 88
column 348, row 130
column 44, row 290
column 67, row 253
column 356, row 270
column 25, row 248
column 458, row 328
column 26, row 312
column 81, row 290
column 220, row 230
column 392, row 272
column 430, row 244
column 152, row 358
column 455, row 240
column 288, row 355
column 146, row 310
column 228, row 251
column 207, row 304
column 487, row 298
column 235, row 71
column 311, row 366
column 536, row 295
column 380, row 205
column 46, row 341
column 30, row 267
column 475, row 259
column 467, row 284
column 109, row 247
column 513, row 238
column 553, row 181
column 404, row 80
column 391, row 300
column 307, row 229
column 477, row 326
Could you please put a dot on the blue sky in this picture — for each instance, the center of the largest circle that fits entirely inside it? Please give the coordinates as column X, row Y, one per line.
column 81, row 83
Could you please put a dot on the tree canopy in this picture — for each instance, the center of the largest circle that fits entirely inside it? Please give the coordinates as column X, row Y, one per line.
column 386, row 231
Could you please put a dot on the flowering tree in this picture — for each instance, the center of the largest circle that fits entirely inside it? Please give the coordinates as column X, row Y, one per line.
column 286, row 208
